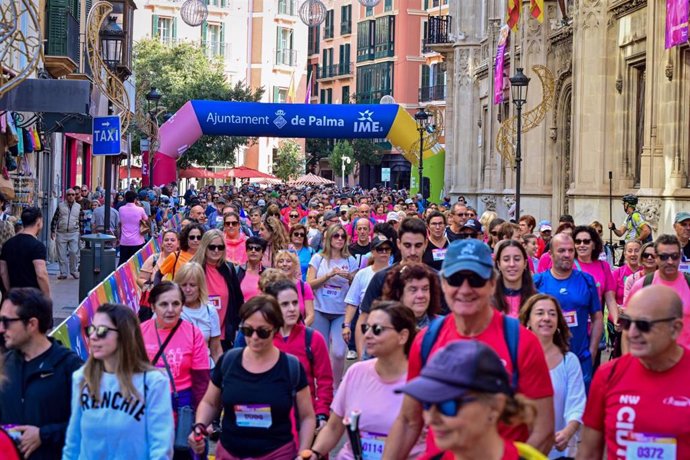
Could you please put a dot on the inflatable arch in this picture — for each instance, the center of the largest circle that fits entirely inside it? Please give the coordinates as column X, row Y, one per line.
column 256, row 119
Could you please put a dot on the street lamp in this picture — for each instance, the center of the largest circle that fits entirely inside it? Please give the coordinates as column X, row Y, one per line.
column 519, row 84
column 153, row 96
column 343, row 161
column 422, row 118
column 112, row 37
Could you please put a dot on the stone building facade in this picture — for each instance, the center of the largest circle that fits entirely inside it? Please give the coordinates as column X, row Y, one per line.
column 619, row 104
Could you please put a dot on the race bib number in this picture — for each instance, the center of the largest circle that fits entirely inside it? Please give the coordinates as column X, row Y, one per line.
column 372, row 445
column 332, row 291
column 570, row 318
column 641, row 446
column 253, row 415
column 438, row 254
column 684, row 267
column 219, row 219
column 215, row 301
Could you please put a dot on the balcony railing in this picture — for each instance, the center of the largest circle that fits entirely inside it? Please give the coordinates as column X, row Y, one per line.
column 287, row 7
column 365, row 54
column 286, row 57
column 67, row 44
column 438, row 30
column 432, row 93
column 372, row 97
column 335, row 70
column 215, row 49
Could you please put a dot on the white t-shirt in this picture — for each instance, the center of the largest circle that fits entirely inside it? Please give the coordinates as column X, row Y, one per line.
column 330, row 297
column 359, row 286
column 206, row 319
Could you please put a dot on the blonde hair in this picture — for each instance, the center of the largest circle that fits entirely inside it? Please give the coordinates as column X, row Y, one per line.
column 326, row 252
column 200, row 255
column 270, row 276
column 192, row 270
column 296, row 269
column 486, row 218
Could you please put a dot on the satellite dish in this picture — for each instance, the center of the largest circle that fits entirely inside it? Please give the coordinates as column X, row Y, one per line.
column 387, row 99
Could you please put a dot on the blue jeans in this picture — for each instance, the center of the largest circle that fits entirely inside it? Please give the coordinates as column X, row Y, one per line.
column 331, row 327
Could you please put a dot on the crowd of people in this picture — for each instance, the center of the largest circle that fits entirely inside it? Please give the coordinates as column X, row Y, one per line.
column 274, row 322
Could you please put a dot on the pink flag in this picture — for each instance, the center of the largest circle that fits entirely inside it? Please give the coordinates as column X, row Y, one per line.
column 676, row 22
column 499, row 63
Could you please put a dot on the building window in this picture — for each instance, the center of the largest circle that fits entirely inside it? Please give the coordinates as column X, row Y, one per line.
column 313, row 40
column 346, row 94
column 384, row 44
column 365, row 40
column 344, row 59
column 369, row 11
column 388, row 5
column 640, row 88
column 326, row 96
column 280, row 94
column 285, row 54
column 286, row 7
column 345, row 19
column 373, row 82
column 164, row 33
column 328, row 25
column 213, row 39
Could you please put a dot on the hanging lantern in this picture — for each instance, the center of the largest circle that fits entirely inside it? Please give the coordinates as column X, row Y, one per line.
column 194, row 12
column 312, row 12
column 369, row 3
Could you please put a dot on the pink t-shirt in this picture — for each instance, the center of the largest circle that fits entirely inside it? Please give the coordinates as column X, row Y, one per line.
column 235, row 250
column 308, row 295
column 620, row 275
column 130, row 216
column 185, row 352
column 545, row 263
column 513, row 303
column 362, row 388
column 680, row 286
column 218, row 294
column 601, row 272
column 250, row 285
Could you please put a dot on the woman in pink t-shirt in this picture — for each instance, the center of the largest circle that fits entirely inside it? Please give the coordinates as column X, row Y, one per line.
column 631, row 252
column 177, row 346
column 514, row 283
column 288, row 263
column 369, row 386
column 250, row 273
column 223, row 285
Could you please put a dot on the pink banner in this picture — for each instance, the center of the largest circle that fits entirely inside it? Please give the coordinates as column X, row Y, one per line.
column 499, row 64
column 676, row 22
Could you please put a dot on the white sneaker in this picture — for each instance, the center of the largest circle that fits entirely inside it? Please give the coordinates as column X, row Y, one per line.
column 351, row 354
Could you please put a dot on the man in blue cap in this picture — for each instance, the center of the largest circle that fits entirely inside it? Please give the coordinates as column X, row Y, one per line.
column 468, row 282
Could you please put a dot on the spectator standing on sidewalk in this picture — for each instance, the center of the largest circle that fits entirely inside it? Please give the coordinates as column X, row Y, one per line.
column 131, row 215
column 26, row 256
column 65, row 228
column 36, row 395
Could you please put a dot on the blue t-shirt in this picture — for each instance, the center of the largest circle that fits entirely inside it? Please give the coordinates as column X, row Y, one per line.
column 579, row 299
column 305, row 254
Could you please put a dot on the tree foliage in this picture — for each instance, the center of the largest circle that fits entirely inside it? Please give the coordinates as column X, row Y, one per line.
column 181, row 73
column 340, row 150
column 289, row 162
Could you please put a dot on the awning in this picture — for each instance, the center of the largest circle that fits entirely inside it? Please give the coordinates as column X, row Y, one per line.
column 86, row 138
column 135, row 172
column 197, row 173
column 243, row 172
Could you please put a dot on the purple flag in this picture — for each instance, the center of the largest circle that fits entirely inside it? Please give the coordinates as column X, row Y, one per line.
column 498, row 65
column 676, row 22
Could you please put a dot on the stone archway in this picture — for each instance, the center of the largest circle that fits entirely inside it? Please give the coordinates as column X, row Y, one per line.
column 562, row 172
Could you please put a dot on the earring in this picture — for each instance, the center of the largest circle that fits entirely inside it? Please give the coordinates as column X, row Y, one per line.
column 558, row 330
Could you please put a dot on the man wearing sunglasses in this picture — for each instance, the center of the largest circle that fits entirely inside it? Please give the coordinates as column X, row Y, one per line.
column 457, row 217
column 577, row 294
column 468, row 282
column 292, row 207
column 639, row 404
column 36, row 395
column 668, row 255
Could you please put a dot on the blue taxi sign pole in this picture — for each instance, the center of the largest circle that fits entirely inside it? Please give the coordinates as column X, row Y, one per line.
column 106, row 141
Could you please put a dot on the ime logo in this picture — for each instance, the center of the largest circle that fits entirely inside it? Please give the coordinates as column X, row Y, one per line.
column 365, row 124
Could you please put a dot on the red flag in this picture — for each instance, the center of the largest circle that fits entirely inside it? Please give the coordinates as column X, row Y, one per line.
column 514, row 9
column 537, row 9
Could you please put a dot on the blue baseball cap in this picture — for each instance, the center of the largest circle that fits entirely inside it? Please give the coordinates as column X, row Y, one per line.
column 468, row 255
column 454, row 370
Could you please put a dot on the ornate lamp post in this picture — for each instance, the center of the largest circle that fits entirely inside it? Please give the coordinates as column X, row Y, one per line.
column 152, row 97
column 519, row 84
column 422, row 118
column 112, row 38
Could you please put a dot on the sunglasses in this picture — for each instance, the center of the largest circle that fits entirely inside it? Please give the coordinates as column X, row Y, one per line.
column 233, row 223
column 642, row 325
column 458, row 280
column 7, row 321
column 294, row 216
column 461, row 214
column 101, row 331
column 449, row 408
column 69, row 194
column 464, row 236
column 254, row 249
column 298, row 234
column 339, row 236
column 383, row 249
column 261, row 332
column 376, row 329
column 216, row 247
column 665, row 257
column 583, row 241
column 194, row 237
column 648, row 255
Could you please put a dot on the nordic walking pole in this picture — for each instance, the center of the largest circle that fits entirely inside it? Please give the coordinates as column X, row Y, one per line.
column 611, row 206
